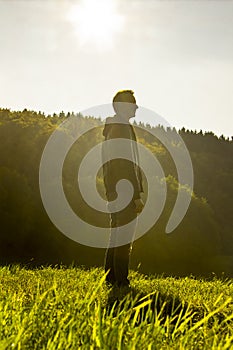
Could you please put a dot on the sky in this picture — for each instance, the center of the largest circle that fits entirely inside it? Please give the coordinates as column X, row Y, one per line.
column 177, row 56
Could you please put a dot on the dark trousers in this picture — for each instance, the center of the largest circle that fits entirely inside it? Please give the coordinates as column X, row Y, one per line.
column 117, row 258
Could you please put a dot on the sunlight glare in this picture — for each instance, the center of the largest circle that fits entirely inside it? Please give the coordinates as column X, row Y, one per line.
column 96, row 22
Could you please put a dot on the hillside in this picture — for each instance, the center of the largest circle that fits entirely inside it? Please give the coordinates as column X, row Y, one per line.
column 201, row 244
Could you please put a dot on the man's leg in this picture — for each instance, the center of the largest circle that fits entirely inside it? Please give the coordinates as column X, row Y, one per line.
column 121, row 264
column 110, row 252
column 109, row 265
column 122, row 253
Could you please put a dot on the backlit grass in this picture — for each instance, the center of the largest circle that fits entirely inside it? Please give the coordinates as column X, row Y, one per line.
column 72, row 308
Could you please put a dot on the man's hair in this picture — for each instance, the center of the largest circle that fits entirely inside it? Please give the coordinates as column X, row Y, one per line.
column 124, row 96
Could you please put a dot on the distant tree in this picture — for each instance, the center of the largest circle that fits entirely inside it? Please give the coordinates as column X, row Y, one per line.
column 26, row 231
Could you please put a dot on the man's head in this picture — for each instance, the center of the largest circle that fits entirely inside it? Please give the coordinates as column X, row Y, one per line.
column 124, row 104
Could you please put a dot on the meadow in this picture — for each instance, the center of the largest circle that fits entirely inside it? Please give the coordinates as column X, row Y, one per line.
column 73, row 308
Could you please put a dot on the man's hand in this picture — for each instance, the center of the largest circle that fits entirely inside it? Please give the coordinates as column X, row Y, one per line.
column 139, row 205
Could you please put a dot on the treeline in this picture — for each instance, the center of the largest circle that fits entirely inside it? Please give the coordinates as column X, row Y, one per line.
column 201, row 244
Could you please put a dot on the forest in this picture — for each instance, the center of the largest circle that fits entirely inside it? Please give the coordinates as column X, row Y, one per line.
column 202, row 245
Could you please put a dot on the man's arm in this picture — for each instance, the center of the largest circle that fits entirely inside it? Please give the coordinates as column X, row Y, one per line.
column 127, row 170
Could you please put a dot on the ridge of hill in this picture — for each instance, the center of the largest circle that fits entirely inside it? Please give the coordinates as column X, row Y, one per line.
column 202, row 244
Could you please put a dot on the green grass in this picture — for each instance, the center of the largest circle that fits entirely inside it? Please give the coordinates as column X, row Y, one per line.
column 72, row 308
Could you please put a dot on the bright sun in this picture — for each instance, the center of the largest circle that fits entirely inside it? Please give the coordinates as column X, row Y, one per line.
column 96, row 22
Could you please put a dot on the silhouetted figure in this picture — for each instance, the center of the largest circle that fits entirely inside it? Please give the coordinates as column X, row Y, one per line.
column 117, row 257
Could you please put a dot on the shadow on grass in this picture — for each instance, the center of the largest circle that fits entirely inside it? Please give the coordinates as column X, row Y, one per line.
column 146, row 307
column 154, row 307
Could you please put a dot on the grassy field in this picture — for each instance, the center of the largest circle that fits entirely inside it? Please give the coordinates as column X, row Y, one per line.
column 72, row 308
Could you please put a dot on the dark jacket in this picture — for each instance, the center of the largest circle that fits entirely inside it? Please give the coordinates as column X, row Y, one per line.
column 117, row 169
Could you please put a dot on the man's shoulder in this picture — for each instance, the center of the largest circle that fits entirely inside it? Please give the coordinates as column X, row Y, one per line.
column 113, row 127
column 112, row 120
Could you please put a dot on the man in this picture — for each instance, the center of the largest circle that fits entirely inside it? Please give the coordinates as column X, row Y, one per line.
column 114, row 170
